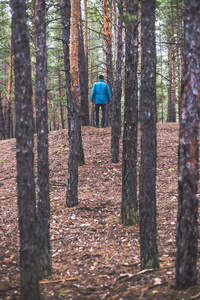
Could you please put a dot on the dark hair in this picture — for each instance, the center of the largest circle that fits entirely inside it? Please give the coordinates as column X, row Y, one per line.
column 101, row 77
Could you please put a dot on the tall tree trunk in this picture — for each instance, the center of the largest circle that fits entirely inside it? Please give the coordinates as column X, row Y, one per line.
column 25, row 154
column 161, row 69
column 60, row 101
column 188, row 160
column 108, row 50
column 147, row 187
column 171, row 116
column 117, row 91
column 83, row 69
column 42, row 141
column 8, row 109
column 74, row 141
column 65, row 10
column 178, row 49
column 129, row 166
column 115, row 29
column 86, row 54
column 173, row 63
column 2, row 129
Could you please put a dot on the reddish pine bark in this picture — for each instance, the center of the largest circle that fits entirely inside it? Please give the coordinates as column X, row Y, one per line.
column 75, row 130
column 108, row 50
column 2, row 130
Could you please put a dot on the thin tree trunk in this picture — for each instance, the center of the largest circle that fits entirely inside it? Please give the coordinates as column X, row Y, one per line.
column 60, row 101
column 161, row 69
column 117, row 92
column 25, row 154
column 42, row 141
column 129, row 166
column 108, row 50
column 179, row 39
column 74, row 141
column 83, row 75
column 2, row 132
column 8, row 102
column 147, row 187
column 173, row 64
column 115, row 22
column 86, row 54
column 65, row 11
column 188, row 160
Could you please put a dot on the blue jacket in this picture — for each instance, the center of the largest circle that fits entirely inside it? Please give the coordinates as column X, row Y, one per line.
column 100, row 93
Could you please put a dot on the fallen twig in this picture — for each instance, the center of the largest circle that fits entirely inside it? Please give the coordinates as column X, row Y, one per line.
column 59, row 280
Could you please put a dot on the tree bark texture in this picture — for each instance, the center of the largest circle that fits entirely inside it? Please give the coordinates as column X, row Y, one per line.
column 147, row 187
column 42, row 141
column 74, row 141
column 83, row 69
column 129, row 165
column 25, row 154
column 117, row 91
column 65, row 10
column 2, row 130
column 8, row 107
column 60, row 101
column 188, row 174
column 108, row 50
column 171, row 112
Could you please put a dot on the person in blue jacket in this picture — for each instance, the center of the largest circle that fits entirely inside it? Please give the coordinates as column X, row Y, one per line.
column 101, row 97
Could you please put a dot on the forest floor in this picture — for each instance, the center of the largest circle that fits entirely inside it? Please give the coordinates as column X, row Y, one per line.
column 94, row 255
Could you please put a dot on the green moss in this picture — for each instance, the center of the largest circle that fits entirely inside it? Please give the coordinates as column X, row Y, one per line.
column 149, row 264
column 129, row 216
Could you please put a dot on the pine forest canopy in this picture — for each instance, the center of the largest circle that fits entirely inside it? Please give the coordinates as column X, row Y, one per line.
column 169, row 19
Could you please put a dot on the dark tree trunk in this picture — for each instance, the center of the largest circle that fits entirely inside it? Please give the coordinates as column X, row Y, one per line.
column 147, row 188
column 188, row 160
column 42, row 140
column 171, row 112
column 60, row 102
column 117, row 92
column 25, row 154
column 72, row 191
column 129, row 166
column 2, row 132
column 83, row 69
column 65, row 11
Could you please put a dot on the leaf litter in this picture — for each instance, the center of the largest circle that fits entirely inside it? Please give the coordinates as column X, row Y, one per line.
column 94, row 255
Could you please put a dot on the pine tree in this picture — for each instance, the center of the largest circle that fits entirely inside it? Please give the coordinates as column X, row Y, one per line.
column 129, row 165
column 147, row 186
column 25, row 154
column 42, row 141
column 188, row 159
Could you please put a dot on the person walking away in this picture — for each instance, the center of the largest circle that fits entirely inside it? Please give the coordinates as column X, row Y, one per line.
column 101, row 97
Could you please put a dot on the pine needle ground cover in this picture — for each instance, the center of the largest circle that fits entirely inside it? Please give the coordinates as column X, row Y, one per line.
column 94, row 255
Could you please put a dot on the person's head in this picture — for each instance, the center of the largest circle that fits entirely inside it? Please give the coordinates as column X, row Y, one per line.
column 101, row 77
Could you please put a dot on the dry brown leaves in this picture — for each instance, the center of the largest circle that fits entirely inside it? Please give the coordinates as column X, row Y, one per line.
column 94, row 255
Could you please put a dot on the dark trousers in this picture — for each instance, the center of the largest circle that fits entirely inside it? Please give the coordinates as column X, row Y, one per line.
column 103, row 108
